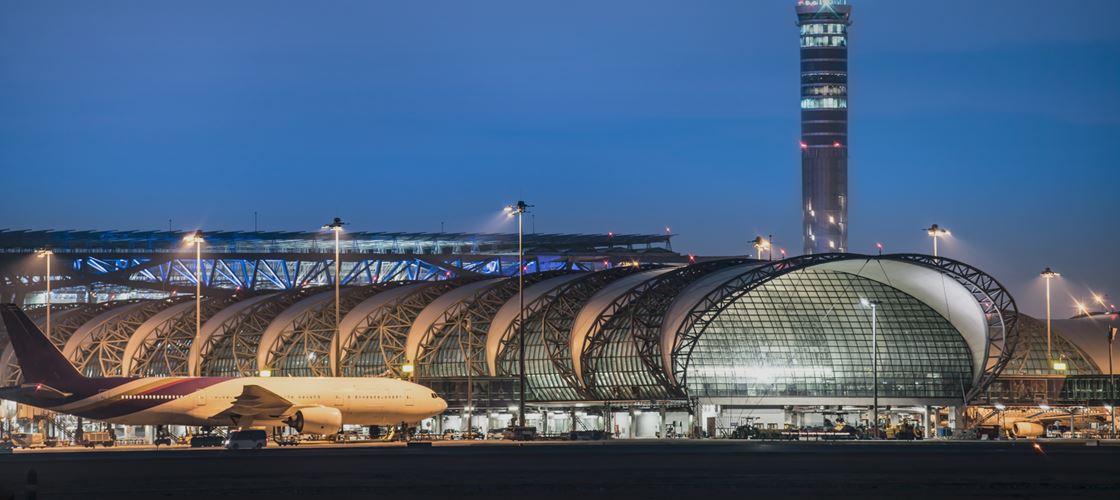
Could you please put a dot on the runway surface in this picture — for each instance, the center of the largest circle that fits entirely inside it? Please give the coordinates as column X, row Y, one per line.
column 619, row 469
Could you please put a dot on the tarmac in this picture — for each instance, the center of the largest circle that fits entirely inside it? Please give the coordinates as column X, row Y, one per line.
column 686, row 469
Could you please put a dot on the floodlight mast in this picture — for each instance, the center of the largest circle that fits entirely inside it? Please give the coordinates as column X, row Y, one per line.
column 874, row 305
column 1048, row 275
column 936, row 232
column 519, row 209
column 336, row 227
column 196, row 239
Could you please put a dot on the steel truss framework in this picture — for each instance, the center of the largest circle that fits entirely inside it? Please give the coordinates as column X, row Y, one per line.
column 627, row 335
column 630, row 324
column 548, row 325
column 377, row 345
column 165, row 349
column 996, row 303
column 65, row 319
column 158, row 261
column 232, row 349
column 306, row 345
column 98, row 350
column 455, row 343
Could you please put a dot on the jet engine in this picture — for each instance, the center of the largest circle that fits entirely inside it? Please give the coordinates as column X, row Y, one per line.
column 1027, row 429
column 316, row 420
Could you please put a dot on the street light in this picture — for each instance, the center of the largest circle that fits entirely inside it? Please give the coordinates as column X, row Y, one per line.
column 1112, row 331
column 336, row 227
column 1048, row 275
column 936, row 232
column 874, row 305
column 761, row 244
column 46, row 253
column 196, row 239
column 519, row 210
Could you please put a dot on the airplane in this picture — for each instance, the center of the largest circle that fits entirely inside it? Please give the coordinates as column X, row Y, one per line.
column 310, row 405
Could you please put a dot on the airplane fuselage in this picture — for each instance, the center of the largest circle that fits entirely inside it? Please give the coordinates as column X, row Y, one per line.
column 205, row 401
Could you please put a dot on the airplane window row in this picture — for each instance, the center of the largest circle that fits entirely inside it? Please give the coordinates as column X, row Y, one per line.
column 149, row 396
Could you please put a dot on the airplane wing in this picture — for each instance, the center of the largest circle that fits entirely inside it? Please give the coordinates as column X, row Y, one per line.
column 256, row 401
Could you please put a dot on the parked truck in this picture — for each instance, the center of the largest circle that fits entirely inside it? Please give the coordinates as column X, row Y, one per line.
column 91, row 439
column 28, row 440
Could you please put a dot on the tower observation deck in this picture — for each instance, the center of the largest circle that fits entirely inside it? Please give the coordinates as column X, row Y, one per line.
column 824, row 123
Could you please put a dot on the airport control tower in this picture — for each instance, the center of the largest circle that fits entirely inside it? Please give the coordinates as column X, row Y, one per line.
column 824, row 123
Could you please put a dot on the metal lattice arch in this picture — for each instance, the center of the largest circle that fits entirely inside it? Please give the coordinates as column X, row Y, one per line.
column 981, row 310
column 628, row 333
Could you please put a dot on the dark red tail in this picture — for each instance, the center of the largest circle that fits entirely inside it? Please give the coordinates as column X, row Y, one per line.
column 40, row 361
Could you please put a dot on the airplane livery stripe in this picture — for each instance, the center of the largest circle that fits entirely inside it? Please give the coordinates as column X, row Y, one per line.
column 150, row 394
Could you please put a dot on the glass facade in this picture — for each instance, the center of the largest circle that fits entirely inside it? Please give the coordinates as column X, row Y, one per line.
column 232, row 351
column 806, row 334
column 378, row 342
column 1031, row 358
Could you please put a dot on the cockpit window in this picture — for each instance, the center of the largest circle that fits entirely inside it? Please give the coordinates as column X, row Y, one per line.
column 434, row 396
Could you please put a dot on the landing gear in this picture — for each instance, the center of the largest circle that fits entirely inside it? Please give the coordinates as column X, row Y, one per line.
column 375, row 432
column 163, row 437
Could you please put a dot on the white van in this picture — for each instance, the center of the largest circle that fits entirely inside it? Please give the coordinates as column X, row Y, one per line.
column 253, row 439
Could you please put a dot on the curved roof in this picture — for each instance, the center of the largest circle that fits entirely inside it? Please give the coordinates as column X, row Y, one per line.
column 354, row 318
column 437, row 308
column 977, row 305
column 605, row 328
column 148, row 327
column 211, row 326
column 584, row 325
column 943, row 294
column 284, row 320
column 84, row 333
column 1088, row 334
column 507, row 315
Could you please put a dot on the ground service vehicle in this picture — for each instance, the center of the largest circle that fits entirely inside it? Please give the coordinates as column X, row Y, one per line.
column 206, row 441
column 28, row 440
column 91, row 439
column 252, row 439
column 515, row 433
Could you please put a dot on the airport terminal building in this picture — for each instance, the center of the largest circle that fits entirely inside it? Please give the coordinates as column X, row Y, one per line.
column 633, row 344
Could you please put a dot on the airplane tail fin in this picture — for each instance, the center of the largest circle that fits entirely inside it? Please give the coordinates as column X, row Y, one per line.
column 40, row 361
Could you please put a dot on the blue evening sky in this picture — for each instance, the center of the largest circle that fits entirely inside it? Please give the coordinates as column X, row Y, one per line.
column 998, row 119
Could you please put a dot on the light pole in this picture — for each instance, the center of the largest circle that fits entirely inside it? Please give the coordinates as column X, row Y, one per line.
column 336, row 227
column 936, row 232
column 46, row 253
column 519, row 210
column 1112, row 330
column 1048, row 275
column 874, row 305
column 760, row 244
column 196, row 239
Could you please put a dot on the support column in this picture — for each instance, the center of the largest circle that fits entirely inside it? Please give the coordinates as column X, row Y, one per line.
column 661, row 422
column 633, row 424
column 926, row 424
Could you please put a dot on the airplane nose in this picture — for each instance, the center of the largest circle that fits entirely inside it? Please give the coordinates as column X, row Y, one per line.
column 441, row 405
